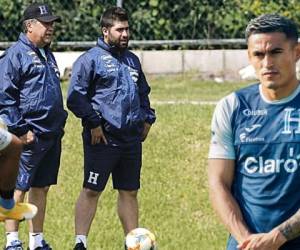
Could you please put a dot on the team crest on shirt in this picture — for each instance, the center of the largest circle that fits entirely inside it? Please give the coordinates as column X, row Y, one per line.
column 291, row 121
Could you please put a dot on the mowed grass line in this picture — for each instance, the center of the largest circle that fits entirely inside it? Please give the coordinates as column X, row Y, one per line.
column 173, row 198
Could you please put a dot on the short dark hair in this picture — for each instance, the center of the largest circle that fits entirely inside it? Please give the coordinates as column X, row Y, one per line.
column 268, row 23
column 111, row 15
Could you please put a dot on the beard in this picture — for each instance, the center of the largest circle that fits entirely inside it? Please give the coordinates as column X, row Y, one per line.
column 118, row 43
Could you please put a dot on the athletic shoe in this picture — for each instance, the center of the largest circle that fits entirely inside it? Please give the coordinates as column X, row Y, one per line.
column 45, row 246
column 79, row 246
column 21, row 211
column 15, row 245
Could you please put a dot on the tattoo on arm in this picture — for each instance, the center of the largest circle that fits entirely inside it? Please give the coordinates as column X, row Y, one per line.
column 291, row 227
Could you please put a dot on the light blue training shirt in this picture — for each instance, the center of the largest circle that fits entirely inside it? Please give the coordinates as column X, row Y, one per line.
column 263, row 138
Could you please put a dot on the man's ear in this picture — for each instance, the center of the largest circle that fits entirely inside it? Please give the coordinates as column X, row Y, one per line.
column 297, row 49
column 104, row 31
column 29, row 27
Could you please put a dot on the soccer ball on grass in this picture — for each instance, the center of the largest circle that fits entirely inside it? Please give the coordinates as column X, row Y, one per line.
column 140, row 239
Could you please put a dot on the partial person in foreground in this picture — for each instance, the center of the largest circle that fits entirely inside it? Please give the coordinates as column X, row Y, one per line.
column 31, row 104
column 10, row 150
column 254, row 155
column 109, row 92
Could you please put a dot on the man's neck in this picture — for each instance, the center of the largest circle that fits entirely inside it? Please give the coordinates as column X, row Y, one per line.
column 279, row 93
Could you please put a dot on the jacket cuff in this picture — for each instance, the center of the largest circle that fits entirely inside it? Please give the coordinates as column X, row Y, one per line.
column 151, row 117
column 94, row 123
column 19, row 131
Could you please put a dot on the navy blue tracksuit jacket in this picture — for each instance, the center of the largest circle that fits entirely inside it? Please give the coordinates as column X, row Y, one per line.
column 109, row 88
column 30, row 92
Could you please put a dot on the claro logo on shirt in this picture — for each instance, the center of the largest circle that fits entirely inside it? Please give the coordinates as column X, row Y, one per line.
column 254, row 164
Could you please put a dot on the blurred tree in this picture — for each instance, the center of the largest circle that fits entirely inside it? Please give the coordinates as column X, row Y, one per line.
column 151, row 19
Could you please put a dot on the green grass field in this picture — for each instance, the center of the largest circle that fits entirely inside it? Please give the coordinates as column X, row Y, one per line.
column 173, row 198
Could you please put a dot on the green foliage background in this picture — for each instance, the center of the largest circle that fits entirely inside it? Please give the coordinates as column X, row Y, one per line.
column 152, row 19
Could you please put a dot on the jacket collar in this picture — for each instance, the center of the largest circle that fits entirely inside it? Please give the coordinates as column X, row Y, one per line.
column 24, row 39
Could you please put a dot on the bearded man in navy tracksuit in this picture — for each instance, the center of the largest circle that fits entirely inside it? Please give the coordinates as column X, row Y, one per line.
column 109, row 92
column 31, row 104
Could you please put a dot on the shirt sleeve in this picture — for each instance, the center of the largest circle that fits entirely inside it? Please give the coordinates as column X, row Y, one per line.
column 221, row 144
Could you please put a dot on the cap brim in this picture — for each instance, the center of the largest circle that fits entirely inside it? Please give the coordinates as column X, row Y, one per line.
column 49, row 19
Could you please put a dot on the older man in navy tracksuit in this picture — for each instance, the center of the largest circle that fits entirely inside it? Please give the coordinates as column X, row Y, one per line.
column 31, row 104
column 109, row 93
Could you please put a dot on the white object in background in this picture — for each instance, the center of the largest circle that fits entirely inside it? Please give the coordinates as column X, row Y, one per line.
column 219, row 79
column 248, row 73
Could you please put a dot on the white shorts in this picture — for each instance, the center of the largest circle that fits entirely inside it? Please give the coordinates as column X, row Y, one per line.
column 5, row 138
